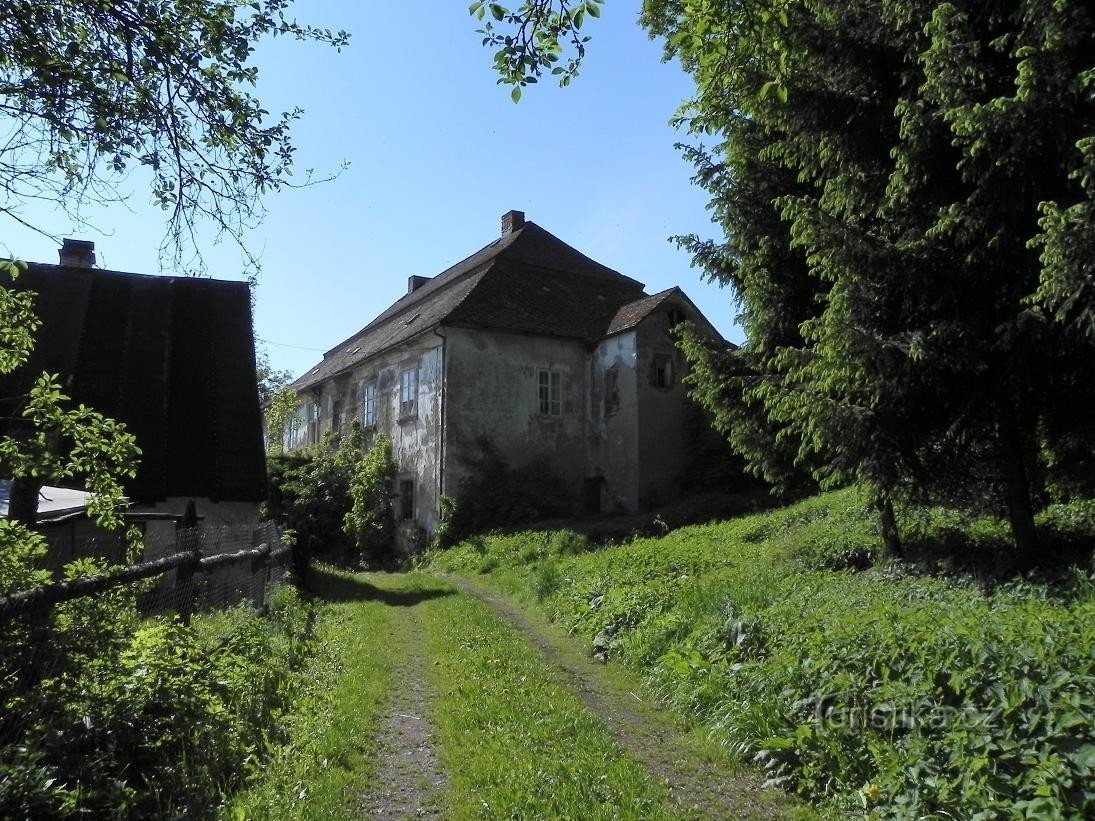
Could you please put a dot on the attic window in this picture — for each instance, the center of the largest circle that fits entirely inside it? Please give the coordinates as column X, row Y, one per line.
column 676, row 317
column 355, row 350
column 545, row 289
column 314, row 372
column 412, row 319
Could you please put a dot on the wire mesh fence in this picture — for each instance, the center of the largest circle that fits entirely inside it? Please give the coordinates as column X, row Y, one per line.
column 62, row 628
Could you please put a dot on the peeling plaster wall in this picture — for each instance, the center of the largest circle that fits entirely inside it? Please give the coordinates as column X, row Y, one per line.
column 492, row 391
column 664, row 450
column 614, row 436
column 416, row 437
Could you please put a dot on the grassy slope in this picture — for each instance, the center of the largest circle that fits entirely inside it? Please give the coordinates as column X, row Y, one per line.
column 871, row 690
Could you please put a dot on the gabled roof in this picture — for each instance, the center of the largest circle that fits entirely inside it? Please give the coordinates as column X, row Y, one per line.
column 171, row 357
column 633, row 313
column 527, row 281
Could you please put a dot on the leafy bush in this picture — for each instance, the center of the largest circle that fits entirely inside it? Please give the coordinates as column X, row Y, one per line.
column 885, row 692
column 146, row 718
column 370, row 522
column 334, row 498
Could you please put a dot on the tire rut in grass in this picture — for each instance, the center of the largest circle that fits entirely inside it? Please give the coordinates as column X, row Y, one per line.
column 409, row 778
column 696, row 785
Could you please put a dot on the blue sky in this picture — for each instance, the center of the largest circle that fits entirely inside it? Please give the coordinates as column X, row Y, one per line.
column 438, row 153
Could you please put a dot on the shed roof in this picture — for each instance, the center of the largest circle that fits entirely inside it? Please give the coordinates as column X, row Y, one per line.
column 171, row 357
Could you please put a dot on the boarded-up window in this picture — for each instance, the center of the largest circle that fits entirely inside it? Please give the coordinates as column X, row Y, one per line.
column 663, row 371
column 336, row 415
column 612, row 390
column 406, row 499
column 550, row 392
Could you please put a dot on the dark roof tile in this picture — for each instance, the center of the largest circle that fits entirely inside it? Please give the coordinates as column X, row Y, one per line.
column 172, row 358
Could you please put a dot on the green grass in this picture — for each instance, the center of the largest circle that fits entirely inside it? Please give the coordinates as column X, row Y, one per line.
column 880, row 691
column 325, row 767
column 515, row 742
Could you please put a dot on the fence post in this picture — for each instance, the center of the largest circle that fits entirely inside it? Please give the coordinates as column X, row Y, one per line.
column 188, row 540
column 260, row 570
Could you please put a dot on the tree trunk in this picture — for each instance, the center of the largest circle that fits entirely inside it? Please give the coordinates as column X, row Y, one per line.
column 1017, row 490
column 23, row 501
column 887, row 527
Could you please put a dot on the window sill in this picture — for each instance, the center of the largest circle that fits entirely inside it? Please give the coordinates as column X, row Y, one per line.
column 408, row 418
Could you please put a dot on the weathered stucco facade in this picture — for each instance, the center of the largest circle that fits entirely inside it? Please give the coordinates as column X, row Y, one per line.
column 560, row 364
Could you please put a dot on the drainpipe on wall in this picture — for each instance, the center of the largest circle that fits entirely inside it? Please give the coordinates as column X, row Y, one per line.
column 441, row 437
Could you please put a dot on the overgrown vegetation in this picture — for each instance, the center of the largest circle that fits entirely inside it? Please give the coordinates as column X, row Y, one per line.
column 336, row 498
column 881, row 692
column 109, row 714
column 493, row 494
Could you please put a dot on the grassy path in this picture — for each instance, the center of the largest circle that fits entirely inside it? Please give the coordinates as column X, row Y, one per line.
column 434, row 699
column 408, row 780
column 702, row 778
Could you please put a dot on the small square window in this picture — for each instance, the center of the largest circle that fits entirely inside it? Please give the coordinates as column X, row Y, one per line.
column 368, row 404
column 406, row 499
column 408, row 392
column 663, row 371
column 550, row 392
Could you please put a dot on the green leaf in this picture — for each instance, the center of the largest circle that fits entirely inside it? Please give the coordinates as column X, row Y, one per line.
column 497, row 11
column 515, row 95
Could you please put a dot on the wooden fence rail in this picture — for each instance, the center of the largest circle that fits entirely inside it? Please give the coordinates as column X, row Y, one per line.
column 186, row 563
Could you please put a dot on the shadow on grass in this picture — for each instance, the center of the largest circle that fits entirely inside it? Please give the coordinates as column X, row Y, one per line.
column 332, row 586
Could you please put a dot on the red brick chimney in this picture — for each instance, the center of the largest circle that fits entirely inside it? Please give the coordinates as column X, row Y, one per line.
column 512, row 221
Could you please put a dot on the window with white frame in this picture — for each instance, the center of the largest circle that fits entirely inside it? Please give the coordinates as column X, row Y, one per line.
column 368, row 404
column 408, row 392
column 550, row 392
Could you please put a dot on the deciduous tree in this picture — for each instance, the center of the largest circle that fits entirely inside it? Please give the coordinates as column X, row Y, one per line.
column 91, row 89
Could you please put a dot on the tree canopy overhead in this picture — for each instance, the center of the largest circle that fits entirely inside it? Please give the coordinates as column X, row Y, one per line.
column 91, row 89
column 907, row 194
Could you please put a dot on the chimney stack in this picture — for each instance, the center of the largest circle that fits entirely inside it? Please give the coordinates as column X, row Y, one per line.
column 512, row 221
column 416, row 282
column 77, row 253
